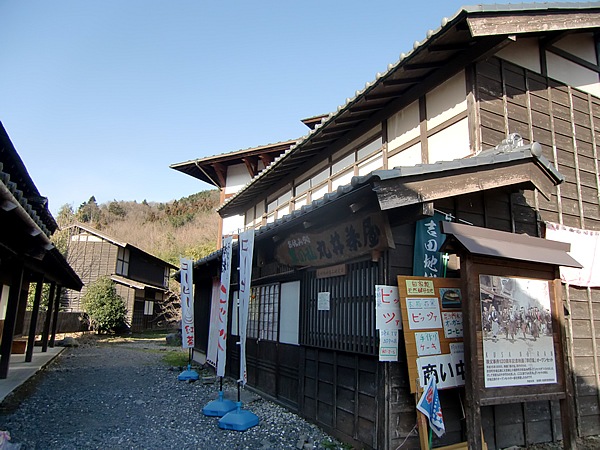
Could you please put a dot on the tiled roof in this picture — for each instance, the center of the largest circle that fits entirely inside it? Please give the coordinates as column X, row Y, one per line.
column 500, row 154
column 413, row 68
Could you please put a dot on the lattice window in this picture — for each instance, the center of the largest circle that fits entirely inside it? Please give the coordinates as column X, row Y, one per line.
column 263, row 312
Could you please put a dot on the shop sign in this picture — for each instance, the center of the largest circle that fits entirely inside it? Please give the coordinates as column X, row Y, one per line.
column 428, row 260
column 346, row 240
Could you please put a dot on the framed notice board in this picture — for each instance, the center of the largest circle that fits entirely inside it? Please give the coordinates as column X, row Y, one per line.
column 433, row 332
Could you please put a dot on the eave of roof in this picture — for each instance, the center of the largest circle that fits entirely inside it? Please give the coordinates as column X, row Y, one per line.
column 15, row 177
column 134, row 283
column 412, row 68
column 199, row 168
column 501, row 244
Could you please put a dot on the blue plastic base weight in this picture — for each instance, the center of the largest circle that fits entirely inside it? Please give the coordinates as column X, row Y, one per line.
column 188, row 375
column 239, row 419
column 219, row 407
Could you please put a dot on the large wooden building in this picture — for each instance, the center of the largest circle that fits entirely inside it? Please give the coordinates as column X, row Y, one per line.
column 492, row 120
column 140, row 278
column 27, row 255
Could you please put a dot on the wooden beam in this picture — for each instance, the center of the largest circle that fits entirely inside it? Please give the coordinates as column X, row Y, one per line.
column 266, row 158
column 252, row 165
column 221, row 172
column 531, row 23
column 573, row 58
column 394, row 194
column 402, row 81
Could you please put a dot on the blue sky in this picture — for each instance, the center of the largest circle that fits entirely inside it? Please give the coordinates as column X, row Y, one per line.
column 99, row 97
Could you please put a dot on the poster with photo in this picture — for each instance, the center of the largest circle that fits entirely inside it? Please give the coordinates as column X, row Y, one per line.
column 516, row 320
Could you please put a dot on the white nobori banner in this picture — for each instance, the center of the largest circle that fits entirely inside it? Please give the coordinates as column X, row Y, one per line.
column 224, row 306
column 187, row 303
column 246, row 243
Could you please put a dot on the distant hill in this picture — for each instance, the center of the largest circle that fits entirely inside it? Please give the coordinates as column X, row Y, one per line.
column 185, row 227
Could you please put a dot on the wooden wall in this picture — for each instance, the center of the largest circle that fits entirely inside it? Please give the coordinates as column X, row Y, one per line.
column 566, row 122
column 89, row 260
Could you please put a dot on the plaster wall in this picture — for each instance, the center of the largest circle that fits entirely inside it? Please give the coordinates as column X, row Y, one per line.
column 237, row 177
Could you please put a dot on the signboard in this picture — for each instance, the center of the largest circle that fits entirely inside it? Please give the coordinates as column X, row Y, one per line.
column 353, row 237
column 246, row 245
column 427, row 259
column 187, row 303
column 518, row 345
column 388, row 320
column 432, row 330
column 323, row 301
column 224, row 305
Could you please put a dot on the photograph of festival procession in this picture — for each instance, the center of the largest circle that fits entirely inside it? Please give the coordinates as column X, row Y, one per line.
column 513, row 309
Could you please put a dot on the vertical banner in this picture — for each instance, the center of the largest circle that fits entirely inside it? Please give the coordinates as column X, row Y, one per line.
column 428, row 260
column 246, row 242
column 224, row 306
column 187, row 303
column 213, row 330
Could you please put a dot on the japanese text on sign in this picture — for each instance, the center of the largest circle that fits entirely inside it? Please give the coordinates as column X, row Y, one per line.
column 428, row 343
column 388, row 345
column 423, row 313
column 419, row 287
column 187, row 303
column 347, row 240
column 453, row 324
column 448, row 370
column 387, row 307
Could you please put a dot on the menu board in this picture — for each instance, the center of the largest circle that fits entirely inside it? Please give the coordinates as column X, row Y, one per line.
column 432, row 326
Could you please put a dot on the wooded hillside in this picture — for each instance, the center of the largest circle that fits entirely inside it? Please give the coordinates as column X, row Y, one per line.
column 185, row 227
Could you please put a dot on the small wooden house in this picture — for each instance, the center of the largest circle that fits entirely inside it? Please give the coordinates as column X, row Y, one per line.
column 140, row 278
column 27, row 256
column 492, row 120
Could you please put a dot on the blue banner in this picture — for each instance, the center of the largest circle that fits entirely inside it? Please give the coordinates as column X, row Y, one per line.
column 428, row 261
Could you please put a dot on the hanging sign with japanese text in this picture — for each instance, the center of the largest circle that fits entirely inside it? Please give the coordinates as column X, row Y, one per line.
column 346, row 240
column 429, row 238
column 388, row 320
column 387, row 307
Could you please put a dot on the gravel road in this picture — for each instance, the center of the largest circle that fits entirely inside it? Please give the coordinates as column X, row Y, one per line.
column 123, row 396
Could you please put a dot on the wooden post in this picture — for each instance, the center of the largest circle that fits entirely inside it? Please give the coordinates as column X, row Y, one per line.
column 55, row 316
column 46, row 331
column 421, row 420
column 470, row 308
column 567, row 406
column 39, row 287
column 8, row 332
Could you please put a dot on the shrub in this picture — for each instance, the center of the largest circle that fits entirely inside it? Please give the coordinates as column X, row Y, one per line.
column 104, row 307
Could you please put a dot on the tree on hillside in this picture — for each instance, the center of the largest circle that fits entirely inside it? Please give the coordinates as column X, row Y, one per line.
column 187, row 226
column 89, row 212
column 65, row 217
column 116, row 209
